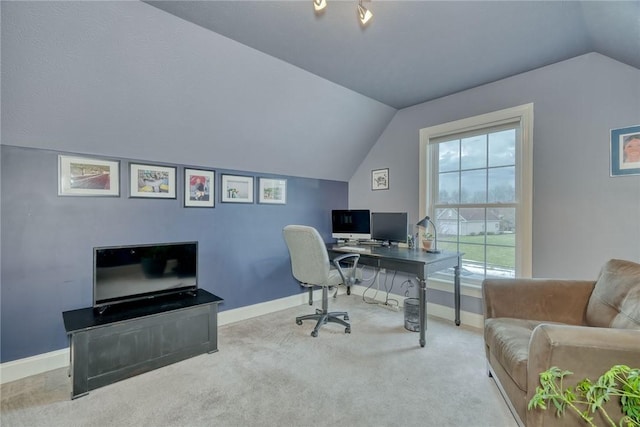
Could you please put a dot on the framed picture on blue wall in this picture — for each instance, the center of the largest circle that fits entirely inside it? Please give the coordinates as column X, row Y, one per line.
column 199, row 188
column 237, row 189
column 85, row 176
column 272, row 191
column 625, row 151
column 152, row 181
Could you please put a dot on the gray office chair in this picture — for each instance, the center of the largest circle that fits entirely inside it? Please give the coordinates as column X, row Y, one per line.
column 310, row 266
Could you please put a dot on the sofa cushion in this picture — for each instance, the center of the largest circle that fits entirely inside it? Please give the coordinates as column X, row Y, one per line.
column 615, row 301
column 508, row 342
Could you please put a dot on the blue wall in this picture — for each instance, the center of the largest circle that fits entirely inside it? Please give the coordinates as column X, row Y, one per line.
column 47, row 242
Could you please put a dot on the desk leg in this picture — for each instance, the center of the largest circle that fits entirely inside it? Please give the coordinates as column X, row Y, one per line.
column 422, row 300
column 456, row 290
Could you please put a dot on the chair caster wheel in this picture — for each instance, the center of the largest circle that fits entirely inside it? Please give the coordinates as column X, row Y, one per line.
column 346, row 317
column 347, row 330
column 298, row 322
column 314, row 333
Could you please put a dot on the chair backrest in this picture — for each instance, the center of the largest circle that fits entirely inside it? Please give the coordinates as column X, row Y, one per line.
column 615, row 301
column 309, row 258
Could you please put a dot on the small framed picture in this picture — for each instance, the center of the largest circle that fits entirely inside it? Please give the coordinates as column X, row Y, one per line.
column 625, row 151
column 85, row 176
column 237, row 189
column 273, row 191
column 380, row 179
column 152, row 181
column 199, row 188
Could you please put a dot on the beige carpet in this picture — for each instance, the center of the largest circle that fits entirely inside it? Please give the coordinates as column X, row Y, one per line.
column 271, row 372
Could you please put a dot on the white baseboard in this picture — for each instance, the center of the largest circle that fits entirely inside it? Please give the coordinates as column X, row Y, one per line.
column 250, row 311
column 22, row 368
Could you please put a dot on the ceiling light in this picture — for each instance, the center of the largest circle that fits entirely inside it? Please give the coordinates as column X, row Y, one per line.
column 319, row 5
column 364, row 14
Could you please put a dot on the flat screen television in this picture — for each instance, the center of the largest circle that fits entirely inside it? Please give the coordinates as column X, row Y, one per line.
column 389, row 227
column 128, row 273
column 351, row 224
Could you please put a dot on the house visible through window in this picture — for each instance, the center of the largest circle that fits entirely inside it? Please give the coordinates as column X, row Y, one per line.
column 476, row 186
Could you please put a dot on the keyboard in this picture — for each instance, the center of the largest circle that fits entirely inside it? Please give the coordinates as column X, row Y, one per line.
column 353, row 248
column 370, row 243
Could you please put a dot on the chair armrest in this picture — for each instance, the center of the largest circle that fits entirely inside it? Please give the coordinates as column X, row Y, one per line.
column 345, row 256
column 553, row 300
column 586, row 351
column 352, row 279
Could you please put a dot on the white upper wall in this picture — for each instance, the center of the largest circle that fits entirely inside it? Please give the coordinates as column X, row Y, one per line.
column 126, row 79
column 581, row 216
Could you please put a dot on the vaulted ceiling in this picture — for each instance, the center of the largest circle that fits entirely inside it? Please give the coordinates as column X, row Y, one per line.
column 416, row 51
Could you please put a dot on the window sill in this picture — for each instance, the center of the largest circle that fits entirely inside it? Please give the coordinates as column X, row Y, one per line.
column 466, row 289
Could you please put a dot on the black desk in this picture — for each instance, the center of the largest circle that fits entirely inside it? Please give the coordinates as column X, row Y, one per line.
column 412, row 261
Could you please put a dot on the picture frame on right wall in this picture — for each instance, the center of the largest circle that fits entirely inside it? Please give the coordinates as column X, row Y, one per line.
column 380, row 179
column 625, row 151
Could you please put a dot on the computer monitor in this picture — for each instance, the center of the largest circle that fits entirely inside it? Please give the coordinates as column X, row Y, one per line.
column 389, row 226
column 351, row 224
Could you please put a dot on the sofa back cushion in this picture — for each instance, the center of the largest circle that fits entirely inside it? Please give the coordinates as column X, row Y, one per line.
column 615, row 301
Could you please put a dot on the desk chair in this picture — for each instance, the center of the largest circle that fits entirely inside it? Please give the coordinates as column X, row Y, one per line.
column 310, row 266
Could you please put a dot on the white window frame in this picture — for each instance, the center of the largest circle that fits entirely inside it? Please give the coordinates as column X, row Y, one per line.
column 524, row 173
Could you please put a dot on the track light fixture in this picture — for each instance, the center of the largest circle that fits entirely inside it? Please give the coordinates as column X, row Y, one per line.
column 319, row 5
column 364, row 14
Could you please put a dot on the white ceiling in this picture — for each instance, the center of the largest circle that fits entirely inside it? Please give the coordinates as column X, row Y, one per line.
column 416, row 51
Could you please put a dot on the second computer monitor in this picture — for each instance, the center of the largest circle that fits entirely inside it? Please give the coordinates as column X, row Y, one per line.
column 389, row 226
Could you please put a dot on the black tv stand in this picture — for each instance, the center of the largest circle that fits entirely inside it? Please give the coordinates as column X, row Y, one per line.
column 129, row 339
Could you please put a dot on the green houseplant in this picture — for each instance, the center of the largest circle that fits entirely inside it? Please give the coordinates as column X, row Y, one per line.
column 588, row 397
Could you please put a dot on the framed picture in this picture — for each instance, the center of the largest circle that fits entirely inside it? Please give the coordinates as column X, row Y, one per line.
column 199, row 188
column 273, row 191
column 152, row 181
column 237, row 189
column 380, row 179
column 625, row 151
column 85, row 176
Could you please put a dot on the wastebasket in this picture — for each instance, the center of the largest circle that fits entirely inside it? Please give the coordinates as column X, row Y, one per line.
column 412, row 314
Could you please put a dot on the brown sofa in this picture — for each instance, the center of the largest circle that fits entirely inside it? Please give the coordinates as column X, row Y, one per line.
column 585, row 327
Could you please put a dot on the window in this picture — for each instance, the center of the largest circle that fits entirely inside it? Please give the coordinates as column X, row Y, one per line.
column 476, row 185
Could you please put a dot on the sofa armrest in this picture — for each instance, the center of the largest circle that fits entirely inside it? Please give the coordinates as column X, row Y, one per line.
column 586, row 351
column 553, row 300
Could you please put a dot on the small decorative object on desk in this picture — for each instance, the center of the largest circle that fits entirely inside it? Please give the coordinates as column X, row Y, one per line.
column 427, row 241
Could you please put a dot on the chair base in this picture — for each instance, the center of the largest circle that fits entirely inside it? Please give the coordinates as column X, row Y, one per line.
column 323, row 318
